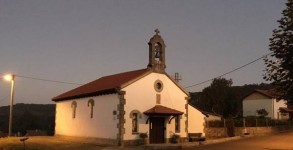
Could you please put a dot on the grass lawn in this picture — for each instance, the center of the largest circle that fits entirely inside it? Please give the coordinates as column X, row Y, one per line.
column 45, row 143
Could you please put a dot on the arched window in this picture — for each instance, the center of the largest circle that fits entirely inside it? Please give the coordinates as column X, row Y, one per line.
column 134, row 123
column 177, row 124
column 91, row 103
column 73, row 106
column 134, row 115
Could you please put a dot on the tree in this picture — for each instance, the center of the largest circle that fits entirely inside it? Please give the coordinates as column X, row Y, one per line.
column 27, row 121
column 262, row 112
column 219, row 97
column 279, row 67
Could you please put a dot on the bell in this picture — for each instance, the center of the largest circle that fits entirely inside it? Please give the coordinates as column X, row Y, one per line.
column 157, row 54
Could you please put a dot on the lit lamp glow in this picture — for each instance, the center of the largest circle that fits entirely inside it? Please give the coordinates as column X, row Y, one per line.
column 10, row 77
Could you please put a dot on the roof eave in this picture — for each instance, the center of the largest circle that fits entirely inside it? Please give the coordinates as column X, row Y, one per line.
column 103, row 92
column 163, row 114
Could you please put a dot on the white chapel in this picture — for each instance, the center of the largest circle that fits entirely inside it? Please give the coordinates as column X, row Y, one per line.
column 114, row 109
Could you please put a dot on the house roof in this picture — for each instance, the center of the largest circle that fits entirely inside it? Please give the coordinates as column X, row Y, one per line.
column 103, row 85
column 162, row 110
column 268, row 93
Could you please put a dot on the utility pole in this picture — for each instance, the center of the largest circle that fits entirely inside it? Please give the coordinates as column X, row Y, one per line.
column 11, row 78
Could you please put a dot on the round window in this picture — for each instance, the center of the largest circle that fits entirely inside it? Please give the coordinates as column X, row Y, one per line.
column 158, row 85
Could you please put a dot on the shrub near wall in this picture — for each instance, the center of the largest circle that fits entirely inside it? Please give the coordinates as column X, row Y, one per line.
column 276, row 126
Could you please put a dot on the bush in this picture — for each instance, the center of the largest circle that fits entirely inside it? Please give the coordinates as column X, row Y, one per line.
column 143, row 135
column 174, row 138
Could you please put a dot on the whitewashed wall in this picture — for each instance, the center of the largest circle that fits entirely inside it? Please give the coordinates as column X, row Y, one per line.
column 141, row 96
column 102, row 125
column 277, row 105
column 195, row 120
column 250, row 107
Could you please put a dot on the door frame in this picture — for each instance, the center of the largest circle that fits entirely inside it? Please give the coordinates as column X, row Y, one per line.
column 163, row 119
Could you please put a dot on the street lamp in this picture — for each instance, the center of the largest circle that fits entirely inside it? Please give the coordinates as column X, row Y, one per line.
column 10, row 77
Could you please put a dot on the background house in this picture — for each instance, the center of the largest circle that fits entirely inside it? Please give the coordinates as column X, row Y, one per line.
column 263, row 99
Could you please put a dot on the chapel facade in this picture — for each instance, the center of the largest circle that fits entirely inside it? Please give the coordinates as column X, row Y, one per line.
column 115, row 109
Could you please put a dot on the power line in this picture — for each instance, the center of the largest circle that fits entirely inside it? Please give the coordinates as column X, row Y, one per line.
column 46, row 80
column 55, row 81
column 229, row 71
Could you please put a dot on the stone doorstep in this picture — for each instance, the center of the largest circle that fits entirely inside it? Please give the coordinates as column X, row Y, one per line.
column 148, row 147
column 162, row 146
column 122, row 148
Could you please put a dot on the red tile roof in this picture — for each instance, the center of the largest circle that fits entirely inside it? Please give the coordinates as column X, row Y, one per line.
column 104, row 85
column 162, row 110
column 270, row 93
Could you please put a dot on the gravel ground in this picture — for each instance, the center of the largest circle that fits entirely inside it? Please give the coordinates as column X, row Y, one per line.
column 45, row 143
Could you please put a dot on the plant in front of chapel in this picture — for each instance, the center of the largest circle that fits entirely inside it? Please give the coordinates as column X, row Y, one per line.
column 174, row 138
column 143, row 137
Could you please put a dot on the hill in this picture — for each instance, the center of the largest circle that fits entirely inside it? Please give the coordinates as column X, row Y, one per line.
column 29, row 117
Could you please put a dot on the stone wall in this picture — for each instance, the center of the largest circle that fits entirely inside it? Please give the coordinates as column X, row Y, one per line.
column 222, row 132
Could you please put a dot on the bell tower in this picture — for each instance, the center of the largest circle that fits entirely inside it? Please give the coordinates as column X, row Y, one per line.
column 157, row 53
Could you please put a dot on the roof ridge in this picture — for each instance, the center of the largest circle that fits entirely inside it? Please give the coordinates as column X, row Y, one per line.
column 122, row 73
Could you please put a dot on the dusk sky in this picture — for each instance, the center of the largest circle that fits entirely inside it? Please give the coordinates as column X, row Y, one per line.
column 78, row 41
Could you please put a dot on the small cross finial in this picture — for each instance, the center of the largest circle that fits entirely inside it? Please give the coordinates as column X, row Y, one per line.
column 157, row 31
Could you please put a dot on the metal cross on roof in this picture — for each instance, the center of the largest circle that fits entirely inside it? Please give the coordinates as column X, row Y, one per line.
column 157, row 31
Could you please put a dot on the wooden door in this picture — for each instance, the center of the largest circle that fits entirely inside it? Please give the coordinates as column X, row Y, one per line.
column 157, row 130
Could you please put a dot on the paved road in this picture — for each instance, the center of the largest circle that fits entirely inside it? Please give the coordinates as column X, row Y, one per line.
column 281, row 141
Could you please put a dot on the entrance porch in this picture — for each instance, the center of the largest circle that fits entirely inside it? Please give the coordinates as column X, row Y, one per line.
column 158, row 121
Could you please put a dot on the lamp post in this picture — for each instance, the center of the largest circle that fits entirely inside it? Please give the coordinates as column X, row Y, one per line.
column 10, row 77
